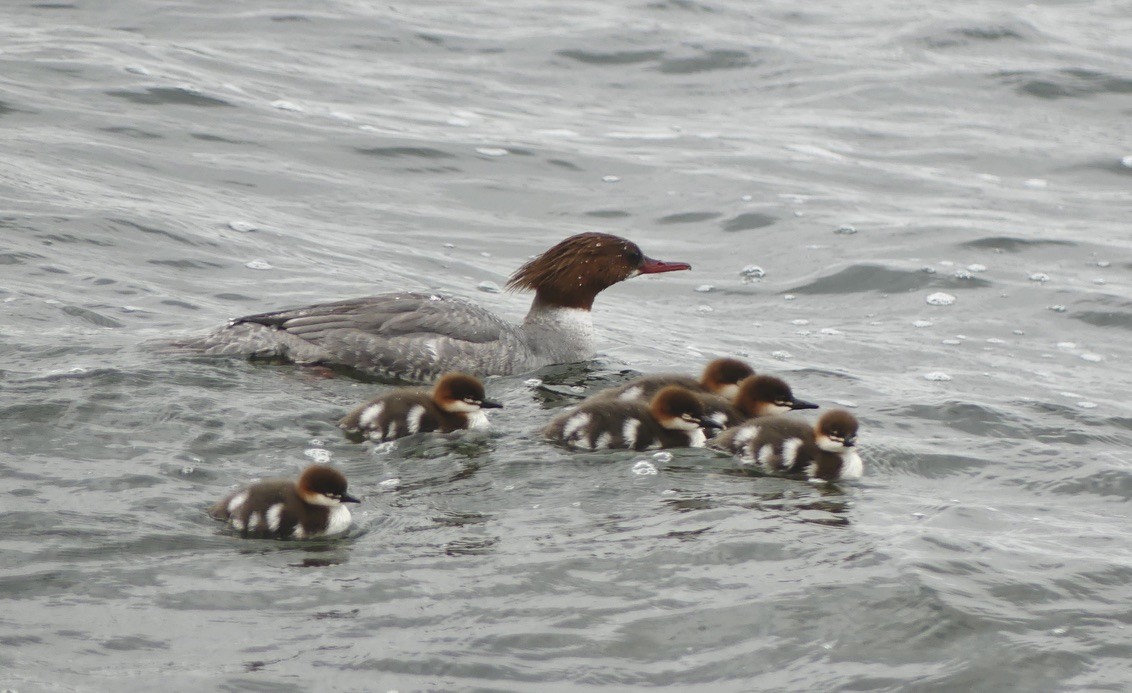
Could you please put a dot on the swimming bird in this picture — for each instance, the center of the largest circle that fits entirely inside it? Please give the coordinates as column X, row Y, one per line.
column 720, row 377
column 673, row 418
column 825, row 450
column 456, row 401
column 285, row 509
column 417, row 337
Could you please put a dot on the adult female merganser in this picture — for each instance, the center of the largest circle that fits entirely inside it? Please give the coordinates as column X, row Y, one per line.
column 285, row 509
column 672, row 419
column 416, row 337
column 456, row 401
column 825, row 450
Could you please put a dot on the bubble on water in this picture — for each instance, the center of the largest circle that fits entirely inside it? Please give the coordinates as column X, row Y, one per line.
column 963, row 274
column 947, row 263
column 922, row 323
column 488, row 287
column 1087, row 405
column 644, row 468
column 1058, row 308
column 662, row 457
column 937, row 377
column 1019, row 332
column 780, row 355
column 1103, row 263
column 492, row 151
column 287, row 106
column 940, row 299
column 1036, row 183
column 830, row 330
column 788, row 297
column 803, row 333
column 799, row 213
column 704, row 288
column 187, row 471
column 137, row 70
column 610, row 179
column 485, row 254
column 258, row 264
column 977, row 268
column 1099, row 280
column 1126, row 161
column 847, row 403
column 319, row 455
column 705, row 309
column 1067, row 345
column 845, row 230
column 1091, row 357
column 800, row 321
column 927, row 269
column 316, row 443
column 339, row 115
column 1041, row 277
column 751, row 273
column 669, row 492
column 244, row 226
column 390, row 483
column 960, row 336
column 952, row 342
column 995, row 340
column 532, row 382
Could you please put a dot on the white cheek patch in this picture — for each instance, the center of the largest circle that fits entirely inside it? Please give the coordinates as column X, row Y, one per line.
column 829, row 445
column 461, row 407
column 575, row 424
column 413, row 418
column 696, row 438
column 633, row 393
column 629, row 432
column 851, row 466
column 237, row 502
column 275, row 517
column 790, row 451
column 478, row 419
column 370, row 415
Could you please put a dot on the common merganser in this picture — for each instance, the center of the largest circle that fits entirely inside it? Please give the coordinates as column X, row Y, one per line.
column 456, row 401
column 824, row 450
column 285, row 509
column 754, row 395
column 673, row 418
column 720, row 377
column 417, row 337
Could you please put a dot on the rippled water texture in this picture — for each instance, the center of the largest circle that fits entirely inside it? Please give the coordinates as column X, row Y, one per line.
column 167, row 165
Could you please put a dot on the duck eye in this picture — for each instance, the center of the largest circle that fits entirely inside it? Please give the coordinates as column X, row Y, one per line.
column 635, row 257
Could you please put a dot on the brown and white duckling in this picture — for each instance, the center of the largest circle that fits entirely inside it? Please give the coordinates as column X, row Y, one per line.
column 673, row 418
column 825, row 450
column 758, row 395
column 720, row 377
column 456, row 401
column 286, row 509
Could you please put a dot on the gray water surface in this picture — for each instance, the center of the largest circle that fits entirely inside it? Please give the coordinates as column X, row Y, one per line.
column 165, row 166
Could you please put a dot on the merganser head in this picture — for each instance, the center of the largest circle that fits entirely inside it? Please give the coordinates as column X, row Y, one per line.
column 764, row 395
column 572, row 273
column 836, row 431
column 460, row 393
column 321, row 484
column 677, row 409
column 722, row 376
